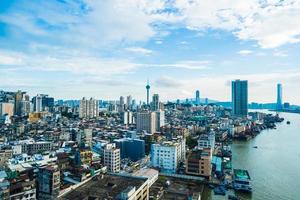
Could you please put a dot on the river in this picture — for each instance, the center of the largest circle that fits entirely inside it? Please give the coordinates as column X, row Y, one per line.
column 274, row 166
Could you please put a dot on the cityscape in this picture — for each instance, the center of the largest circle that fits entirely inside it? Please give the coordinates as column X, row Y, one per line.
column 149, row 100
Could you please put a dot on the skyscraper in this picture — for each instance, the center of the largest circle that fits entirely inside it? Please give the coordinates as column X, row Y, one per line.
column 197, row 97
column 148, row 90
column 279, row 97
column 129, row 102
column 18, row 100
column 38, row 103
column 240, row 98
column 155, row 102
column 121, row 106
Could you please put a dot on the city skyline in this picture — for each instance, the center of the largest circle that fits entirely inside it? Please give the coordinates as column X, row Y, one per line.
column 69, row 51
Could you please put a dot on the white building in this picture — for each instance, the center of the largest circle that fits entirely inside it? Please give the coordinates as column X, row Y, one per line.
column 88, row 136
column 88, row 108
column 146, row 121
column 111, row 156
column 207, row 141
column 168, row 155
column 160, row 119
column 38, row 103
column 127, row 118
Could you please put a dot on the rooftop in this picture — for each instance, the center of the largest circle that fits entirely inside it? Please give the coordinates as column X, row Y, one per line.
column 104, row 187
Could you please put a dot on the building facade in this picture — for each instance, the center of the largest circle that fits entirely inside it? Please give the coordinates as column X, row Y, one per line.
column 88, row 108
column 240, row 98
column 112, row 158
column 146, row 121
column 279, row 97
column 48, row 182
column 134, row 149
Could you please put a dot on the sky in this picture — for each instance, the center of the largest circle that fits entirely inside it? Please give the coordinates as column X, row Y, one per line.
column 104, row 49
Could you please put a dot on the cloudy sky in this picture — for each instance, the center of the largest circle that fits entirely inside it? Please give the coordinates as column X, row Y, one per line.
column 104, row 49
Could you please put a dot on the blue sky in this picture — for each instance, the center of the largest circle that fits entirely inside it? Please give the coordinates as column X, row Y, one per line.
column 104, row 49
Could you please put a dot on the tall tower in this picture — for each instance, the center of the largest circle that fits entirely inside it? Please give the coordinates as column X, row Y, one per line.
column 155, row 102
column 240, row 98
column 279, row 97
column 197, row 97
column 148, row 90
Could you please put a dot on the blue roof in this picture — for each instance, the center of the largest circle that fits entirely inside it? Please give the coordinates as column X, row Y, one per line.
column 218, row 162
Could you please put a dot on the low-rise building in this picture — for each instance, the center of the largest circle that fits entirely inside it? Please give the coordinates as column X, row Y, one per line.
column 48, row 182
column 167, row 155
column 110, row 187
column 199, row 163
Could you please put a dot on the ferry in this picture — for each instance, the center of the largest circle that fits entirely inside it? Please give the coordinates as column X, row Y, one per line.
column 241, row 180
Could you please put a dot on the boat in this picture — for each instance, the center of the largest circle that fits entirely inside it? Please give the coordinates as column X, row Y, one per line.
column 288, row 122
column 255, row 147
column 241, row 180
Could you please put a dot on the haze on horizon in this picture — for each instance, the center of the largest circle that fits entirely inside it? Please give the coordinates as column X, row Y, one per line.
column 105, row 49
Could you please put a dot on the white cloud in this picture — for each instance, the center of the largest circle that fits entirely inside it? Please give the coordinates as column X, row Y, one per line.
column 139, row 50
column 73, row 63
column 10, row 58
column 187, row 64
column 280, row 54
column 97, row 23
column 270, row 23
column 245, row 52
column 167, row 82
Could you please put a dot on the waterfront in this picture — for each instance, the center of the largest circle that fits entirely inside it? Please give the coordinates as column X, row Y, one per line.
column 275, row 165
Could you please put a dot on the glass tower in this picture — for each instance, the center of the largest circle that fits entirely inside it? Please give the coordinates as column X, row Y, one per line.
column 240, row 98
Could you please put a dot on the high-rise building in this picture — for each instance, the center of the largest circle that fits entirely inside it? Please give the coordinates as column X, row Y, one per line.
column 121, row 107
column 38, row 103
column 47, row 103
column 279, row 97
column 6, row 108
column 111, row 158
column 129, row 102
column 160, row 119
column 25, row 105
column 240, row 98
column 48, row 182
column 88, row 108
column 146, row 121
column 127, row 118
column 18, row 99
column 197, row 97
column 155, row 102
column 148, row 92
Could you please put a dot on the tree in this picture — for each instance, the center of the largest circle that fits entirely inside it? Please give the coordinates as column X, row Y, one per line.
column 191, row 142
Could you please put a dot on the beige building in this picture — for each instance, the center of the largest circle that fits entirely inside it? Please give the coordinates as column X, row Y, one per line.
column 199, row 163
column 88, row 108
column 7, row 108
column 111, row 158
column 146, row 121
column 5, row 155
